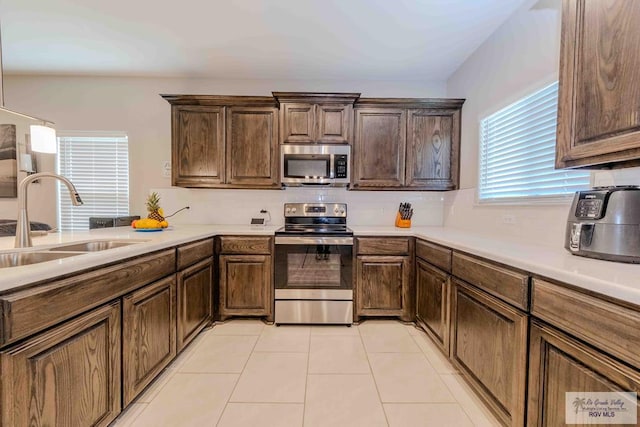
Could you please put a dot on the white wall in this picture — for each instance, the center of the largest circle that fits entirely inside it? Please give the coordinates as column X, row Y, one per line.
column 133, row 105
column 520, row 57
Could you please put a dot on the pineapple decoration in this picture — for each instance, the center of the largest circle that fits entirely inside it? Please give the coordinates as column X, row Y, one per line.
column 155, row 219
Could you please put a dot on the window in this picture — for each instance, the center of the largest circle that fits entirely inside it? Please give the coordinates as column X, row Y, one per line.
column 97, row 163
column 517, row 153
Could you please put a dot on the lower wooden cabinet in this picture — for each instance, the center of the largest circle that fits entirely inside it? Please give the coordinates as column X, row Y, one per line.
column 246, row 286
column 489, row 346
column 383, row 286
column 149, row 334
column 559, row 364
column 433, row 289
column 66, row 376
column 195, row 300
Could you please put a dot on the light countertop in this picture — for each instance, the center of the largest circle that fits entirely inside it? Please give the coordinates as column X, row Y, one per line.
column 13, row 277
column 617, row 280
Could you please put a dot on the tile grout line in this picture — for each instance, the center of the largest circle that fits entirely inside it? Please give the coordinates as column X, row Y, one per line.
column 386, row 418
column 239, row 375
column 306, row 381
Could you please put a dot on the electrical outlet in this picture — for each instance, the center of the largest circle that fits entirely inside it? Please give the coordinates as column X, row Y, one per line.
column 509, row 219
column 166, row 169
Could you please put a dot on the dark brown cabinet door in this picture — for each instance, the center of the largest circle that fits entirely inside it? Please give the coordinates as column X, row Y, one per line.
column 432, row 302
column 433, row 145
column 298, row 122
column 149, row 334
column 245, row 285
column 195, row 296
column 66, row 376
column 379, row 148
column 489, row 346
column 334, row 123
column 383, row 286
column 598, row 108
column 559, row 364
column 198, row 146
column 252, row 146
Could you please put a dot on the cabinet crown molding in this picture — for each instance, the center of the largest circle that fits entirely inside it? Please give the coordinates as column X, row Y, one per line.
column 453, row 103
column 221, row 100
column 310, row 97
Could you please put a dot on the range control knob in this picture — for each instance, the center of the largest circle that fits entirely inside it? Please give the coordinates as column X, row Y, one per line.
column 341, row 211
column 293, row 210
column 336, row 210
column 287, row 210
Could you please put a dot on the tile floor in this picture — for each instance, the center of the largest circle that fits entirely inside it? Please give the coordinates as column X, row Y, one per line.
column 246, row 373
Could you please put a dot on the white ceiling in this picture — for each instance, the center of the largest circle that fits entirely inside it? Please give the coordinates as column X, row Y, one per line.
column 248, row 39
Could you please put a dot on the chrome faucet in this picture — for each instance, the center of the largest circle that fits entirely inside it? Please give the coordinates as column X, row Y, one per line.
column 23, row 227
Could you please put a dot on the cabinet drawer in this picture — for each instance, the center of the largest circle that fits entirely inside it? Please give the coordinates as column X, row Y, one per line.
column 434, row 254
column 194, row 252
column 508, row 285
column 383, row 246
column 245, row 245
column 608, row 326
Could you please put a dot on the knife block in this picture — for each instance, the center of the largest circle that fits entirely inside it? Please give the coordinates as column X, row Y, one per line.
column 402, row 223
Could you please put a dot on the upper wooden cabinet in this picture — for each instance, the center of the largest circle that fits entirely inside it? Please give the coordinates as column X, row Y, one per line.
column 197, row 147
column 316, row 117
column 379, row 148
column 252, row 146
column 224, row 141
column 598, row 108
column 409, row 144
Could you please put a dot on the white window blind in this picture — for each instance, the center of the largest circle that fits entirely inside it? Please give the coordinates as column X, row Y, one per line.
column 97, row 163
column 517, row 152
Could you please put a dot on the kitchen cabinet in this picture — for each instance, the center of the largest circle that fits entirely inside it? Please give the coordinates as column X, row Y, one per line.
column 224, row 141
column 489, row 347
column 66, row 376
column 195, row 290
column 149, row 335
column 433, row 149
column 559, row 364
column 384, row 273
column 324, row 118
column 433, row 294
column 245, row 277
column 379, row 148
column 197, row 146
column 409, row 144
column 433, row 291
column 598, row 112
column 252, row 146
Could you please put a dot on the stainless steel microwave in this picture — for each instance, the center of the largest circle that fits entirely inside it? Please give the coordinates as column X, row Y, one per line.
column 315, row 165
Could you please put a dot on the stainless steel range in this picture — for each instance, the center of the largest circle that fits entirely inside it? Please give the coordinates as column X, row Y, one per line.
column 313, row 258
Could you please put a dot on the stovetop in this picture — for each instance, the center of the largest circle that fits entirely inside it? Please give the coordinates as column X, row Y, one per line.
column 327, row 219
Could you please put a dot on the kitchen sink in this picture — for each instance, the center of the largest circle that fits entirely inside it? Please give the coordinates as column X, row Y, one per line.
column 15, row 259
column 95, row 245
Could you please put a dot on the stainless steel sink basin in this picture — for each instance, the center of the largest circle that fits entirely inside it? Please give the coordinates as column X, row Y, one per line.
column 15, row 259
column 93, row 246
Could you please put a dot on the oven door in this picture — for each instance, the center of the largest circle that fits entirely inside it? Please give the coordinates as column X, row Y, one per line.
column 313, row 267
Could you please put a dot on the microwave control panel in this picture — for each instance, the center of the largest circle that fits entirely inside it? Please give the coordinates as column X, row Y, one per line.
column 340, row 163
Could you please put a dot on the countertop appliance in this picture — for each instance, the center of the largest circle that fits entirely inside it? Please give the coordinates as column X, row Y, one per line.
column 313, row 265
column 604, row 223
column 315, row 164
column 111, row 221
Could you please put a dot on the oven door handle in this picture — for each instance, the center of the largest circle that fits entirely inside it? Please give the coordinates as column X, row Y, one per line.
column 314, row 240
